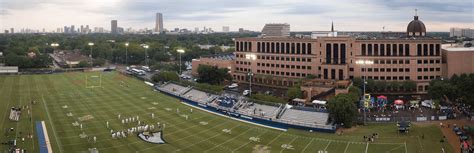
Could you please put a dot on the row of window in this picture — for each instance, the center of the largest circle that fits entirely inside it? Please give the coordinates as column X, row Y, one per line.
column 428, row 61
column 243, row 62
column 284, row 48
column 333, row 53
column 386, row 69
column 428, row 49
column 293, row 74
column 265, row 81
column 427, row 77
column 385, row 49
column 285, row 66
column 387, row 77
column 429, row 69
column 297, row 59
column 243, row 46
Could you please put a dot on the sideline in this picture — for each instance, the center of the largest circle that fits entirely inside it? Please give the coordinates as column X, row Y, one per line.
column 51, row 123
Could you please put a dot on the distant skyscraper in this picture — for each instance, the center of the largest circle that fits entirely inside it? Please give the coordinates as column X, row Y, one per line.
column 225, row 29
column 72, row 30
column 12, row 30
column 159, row 23
column 113, row 28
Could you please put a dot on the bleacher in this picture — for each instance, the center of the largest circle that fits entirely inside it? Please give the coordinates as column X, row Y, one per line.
column 305, row 117
column 259, row 110
column 199, row 96
column 174, row 89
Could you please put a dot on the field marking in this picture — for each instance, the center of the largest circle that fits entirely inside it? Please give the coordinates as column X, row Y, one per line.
column 406, row 149
column 274, row 139
column 288, row 144
column 367, row 147
column 218, row 125
column 8, row 105
column 52, row 126
column 249, row 141
column 204, row 140
column 394, row 148
column 228, row 140
column 325, row 148
column 347, row 146
column 304, row 149
column 421, row 145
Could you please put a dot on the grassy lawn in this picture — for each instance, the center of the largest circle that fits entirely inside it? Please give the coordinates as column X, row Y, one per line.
column 54, row 92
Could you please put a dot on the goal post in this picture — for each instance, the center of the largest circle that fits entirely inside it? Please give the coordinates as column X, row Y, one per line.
column 93, row 80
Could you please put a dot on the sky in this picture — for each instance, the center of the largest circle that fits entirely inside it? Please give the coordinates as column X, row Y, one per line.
column 302, row 15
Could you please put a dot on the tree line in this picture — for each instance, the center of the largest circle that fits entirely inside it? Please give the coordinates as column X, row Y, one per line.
column 109, row 47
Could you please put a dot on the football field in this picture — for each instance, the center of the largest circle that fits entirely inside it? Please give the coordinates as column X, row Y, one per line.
column 66, row 104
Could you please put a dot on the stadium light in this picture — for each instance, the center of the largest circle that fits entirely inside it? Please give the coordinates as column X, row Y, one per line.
column 90, row 55
column 146, row 53
column 364, row 63
column 180, row 51
column 252, row 57
column 126, row 53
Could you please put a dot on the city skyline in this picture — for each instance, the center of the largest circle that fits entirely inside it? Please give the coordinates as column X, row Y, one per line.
column 312, row 16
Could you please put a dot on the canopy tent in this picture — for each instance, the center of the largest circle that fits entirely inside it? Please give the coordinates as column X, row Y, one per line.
column 398, row 102
column 382, row 97
column 319, row 102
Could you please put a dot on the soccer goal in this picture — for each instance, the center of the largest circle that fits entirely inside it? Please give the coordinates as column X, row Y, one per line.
column 94, row 80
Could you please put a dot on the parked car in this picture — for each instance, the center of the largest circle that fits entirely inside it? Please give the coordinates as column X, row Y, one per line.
column 428, row 104
column 233, row 85
column 246, row 92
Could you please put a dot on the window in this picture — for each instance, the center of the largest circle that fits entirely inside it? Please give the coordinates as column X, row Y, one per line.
column 363, row 50
column 418, row 49
column 407, row 50
column 419, row 61
column 425, row 49
column 382, row 69
column 369, row 49
column 309, row 48
column 303, row 48
column 407, row 69
column 407, row 61
column 343, row 53
column 389, row 50
column 376, row 49
column 258, row 46
column 292, row 48
column 369, row 69
column 336, row 53
column 376, row 69
column 437, row 50
column 394, row 52
column 298, row 48
column 400, row 50
column 419, row 78
column 382, row 49
column 328, row 53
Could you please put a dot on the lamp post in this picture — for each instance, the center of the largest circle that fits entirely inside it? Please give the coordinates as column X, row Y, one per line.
column 54, row 45
column 364, row 63
column 126, row 54
column 180, row 51
column 146, row 53
column 251, row 57
column 90, row 56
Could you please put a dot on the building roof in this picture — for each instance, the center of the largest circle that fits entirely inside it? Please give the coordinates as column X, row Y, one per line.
column 459, row 49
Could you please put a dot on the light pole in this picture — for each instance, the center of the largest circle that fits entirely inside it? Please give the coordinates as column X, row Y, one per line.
column 54, row 45
column 180, row 51
column 251, row 57
column 126, row 54
column 146, row 53
column 364, row 63
column 90, row 56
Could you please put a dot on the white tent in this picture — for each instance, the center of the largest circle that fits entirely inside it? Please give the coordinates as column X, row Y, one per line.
column 319, row 102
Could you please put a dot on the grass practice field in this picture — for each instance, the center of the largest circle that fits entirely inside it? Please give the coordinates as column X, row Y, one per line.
column 63, row 99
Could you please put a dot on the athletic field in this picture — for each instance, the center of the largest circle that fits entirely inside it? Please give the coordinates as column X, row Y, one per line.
column 63, row 99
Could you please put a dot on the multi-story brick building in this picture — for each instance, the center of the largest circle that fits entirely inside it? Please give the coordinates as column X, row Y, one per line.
column 282, row 61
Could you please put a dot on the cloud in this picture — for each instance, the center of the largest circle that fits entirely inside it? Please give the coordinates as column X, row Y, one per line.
column 304, row 15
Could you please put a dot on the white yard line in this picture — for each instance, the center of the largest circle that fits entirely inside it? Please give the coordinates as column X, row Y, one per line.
column 347, row 146
column 406, row 149
column 394, row 148
column 306, row 147
column 367, row 147
column 52, row 127
column 325, row 148
column 241, row 133
column 421, row 145
column 274, row 139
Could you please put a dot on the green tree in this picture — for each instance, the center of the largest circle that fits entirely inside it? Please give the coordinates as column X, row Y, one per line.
column 212, row 74
column 165, row 76
column 409, row 85
column 342, row 109
column 381, row 86
column 294, row 92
